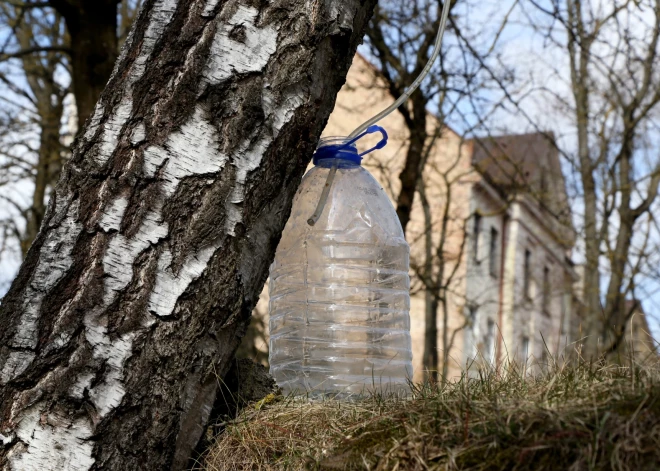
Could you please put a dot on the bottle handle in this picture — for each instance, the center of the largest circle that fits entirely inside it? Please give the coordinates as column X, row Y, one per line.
column 370, row 130
column 382, row 143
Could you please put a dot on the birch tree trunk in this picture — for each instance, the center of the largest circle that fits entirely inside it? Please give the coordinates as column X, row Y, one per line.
column 139, row 286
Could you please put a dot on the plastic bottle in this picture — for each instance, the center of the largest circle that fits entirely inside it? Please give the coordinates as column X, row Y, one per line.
column 339, row 289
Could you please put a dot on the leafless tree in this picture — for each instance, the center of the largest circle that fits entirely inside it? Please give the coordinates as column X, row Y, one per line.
column 35, row 96
column 35, row 76
column 401, row 36
column 612, row 104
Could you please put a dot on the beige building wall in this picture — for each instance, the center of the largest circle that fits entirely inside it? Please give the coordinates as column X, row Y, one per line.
column 447, row 182
column 480, row 306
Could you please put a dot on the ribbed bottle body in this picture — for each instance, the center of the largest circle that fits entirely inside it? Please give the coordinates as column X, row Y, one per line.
column 339, row 292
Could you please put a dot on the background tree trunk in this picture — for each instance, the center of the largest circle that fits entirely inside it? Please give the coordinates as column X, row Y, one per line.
column 607, row 182
column 430, row 355
column 47, row 96
column 153, row 250
column 414, row 162
column 92, row 26
column 48, row 163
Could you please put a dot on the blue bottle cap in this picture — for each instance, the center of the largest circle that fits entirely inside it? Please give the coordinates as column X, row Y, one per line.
column 344, row 147
column 337, row 151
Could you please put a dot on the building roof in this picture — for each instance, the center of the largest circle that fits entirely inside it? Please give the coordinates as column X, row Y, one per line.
column 525, row 164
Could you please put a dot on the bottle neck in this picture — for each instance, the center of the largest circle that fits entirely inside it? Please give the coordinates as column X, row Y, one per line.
column 339, row 162
column 337, row 151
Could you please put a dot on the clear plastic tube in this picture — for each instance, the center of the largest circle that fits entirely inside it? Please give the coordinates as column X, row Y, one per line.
column 418, row 80
column 364, row 126
column 324, row 196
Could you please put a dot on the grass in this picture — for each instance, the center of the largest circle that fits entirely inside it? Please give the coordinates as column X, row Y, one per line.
column 590, row 417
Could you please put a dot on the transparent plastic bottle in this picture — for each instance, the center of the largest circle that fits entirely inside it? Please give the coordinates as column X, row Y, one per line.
column 339, row 290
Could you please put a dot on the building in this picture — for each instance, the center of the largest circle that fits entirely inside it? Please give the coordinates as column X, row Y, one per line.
column 498, row 214
column 522, row 243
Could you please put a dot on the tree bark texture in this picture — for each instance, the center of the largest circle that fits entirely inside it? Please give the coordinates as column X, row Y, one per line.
column 155, row 246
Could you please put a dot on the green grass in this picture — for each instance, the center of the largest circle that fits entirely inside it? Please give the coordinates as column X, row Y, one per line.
column 564, row 418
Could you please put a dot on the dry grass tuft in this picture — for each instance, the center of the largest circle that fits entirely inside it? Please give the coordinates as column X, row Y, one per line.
column 569, row 418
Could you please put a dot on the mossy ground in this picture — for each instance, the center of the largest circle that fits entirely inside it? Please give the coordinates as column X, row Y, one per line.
column 561, row 418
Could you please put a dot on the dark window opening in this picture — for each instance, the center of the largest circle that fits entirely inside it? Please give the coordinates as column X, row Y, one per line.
column 527, row 282
column 475, row 237
column 492, row 262
column 472, row 312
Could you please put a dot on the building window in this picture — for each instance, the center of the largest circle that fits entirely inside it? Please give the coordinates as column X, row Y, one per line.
column 564, row 313
column 546, row 290
column 490, row 341
column 492, row 255
column 525, row 348
column 475, row 237
column 472, row 313
column 527, row 272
